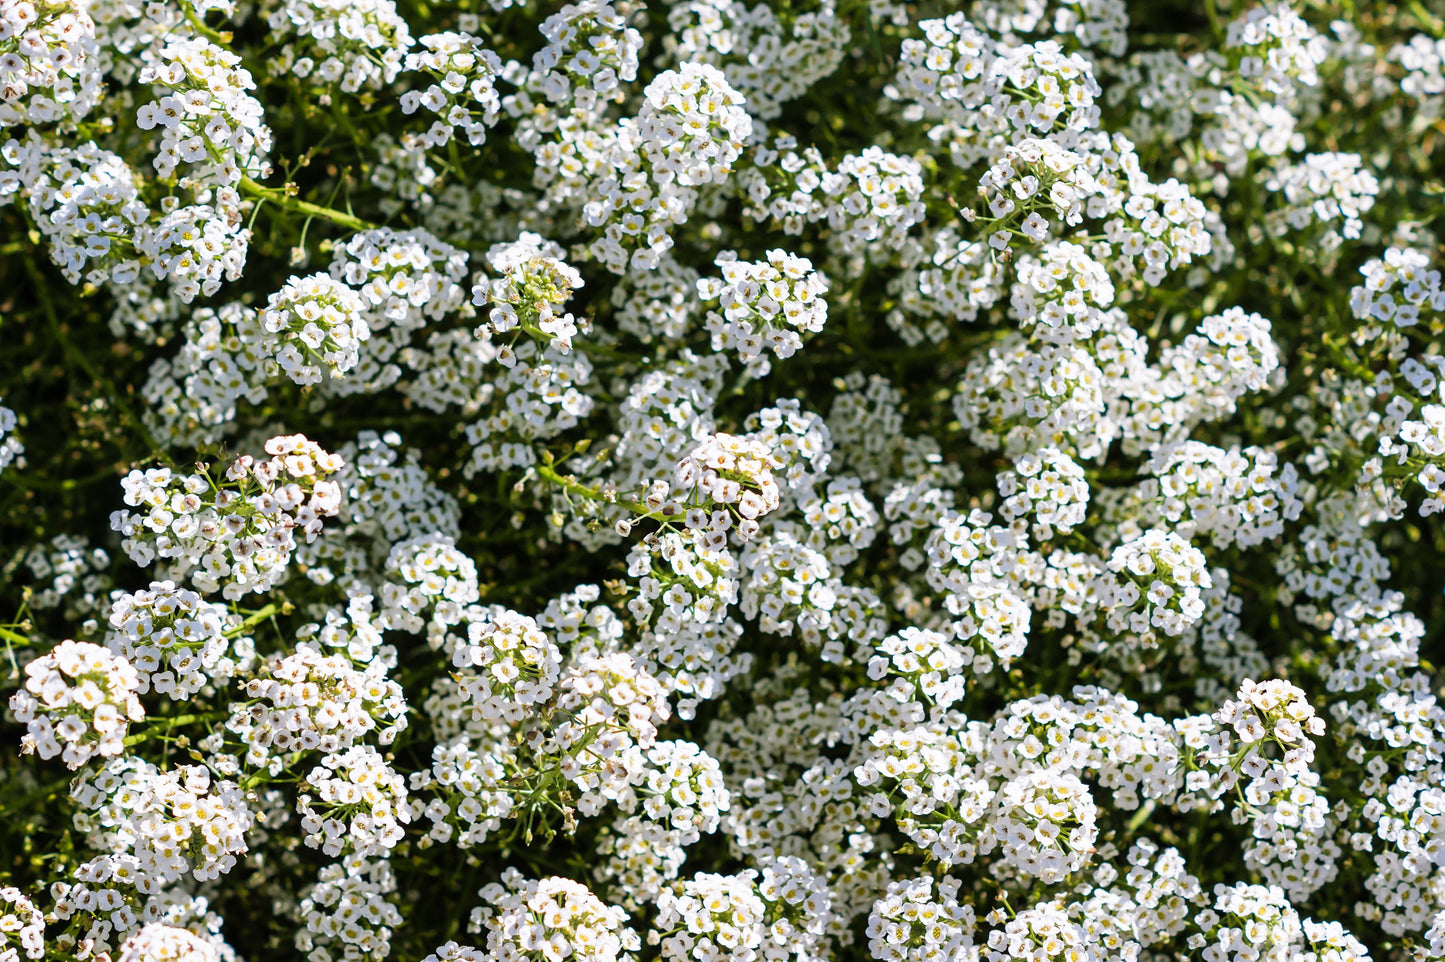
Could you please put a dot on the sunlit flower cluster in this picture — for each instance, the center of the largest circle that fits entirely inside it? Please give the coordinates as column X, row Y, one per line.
column 818, row 481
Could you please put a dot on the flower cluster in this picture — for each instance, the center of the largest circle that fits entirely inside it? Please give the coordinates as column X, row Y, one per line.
column 781, row 482
column 87, row 205
column 1158, row 583
column 1323, row 189
column 176, row 823
column 23, row 926
column 437, row 581
column 359, row 807
column 535, row 284
column 78, row 578
column 176, row 642
column 459, row 65
column 11, row 450
column 591, row 51
column 207, row 119
column 1274, row 48
column 1277, row 711
column 1035, row 178
column 607, row 712
column 726, row 479
column 764, row 306
column 1047, row 487
column 909, row 924
column 194, row 247
column 159, row 942
column 78, row 702
column 540, row 395
column 234, row 539
column 690, row 131
column 710, row 916
column 350, row 45
column 310, row 701
column 405, row 278
column 968, row 562
column 1046, row 825
column 347, row 912
column 1043, row 932
column 870, row 201
column 312, row 326
column 509, row 666
column 49, row 55
column 1397, row 289
column 1232, row 497
column 547, row 918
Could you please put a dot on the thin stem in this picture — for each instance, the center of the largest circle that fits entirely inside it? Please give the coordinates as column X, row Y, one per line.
column 1141, row 816
column 171, row 723
column 16, row 639
column 572, row 486
column 283, row 197
column 199, row 25
column 257, row 618
column 1428, row 20
column 1211, row 10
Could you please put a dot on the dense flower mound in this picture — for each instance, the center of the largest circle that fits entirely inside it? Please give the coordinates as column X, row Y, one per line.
column 722, row 481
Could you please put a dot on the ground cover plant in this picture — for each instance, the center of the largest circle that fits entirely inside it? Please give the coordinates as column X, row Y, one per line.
column 810, row 480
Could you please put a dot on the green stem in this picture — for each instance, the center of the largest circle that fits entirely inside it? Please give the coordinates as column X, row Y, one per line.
column 282, row 197
column 1141, row 816
column 1350, row 366
column 572, row 486
column 20, row 641
column 1211, row 10
column 1428, row 20
column 256, row 619
column 171, row 723
column 199, row 25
